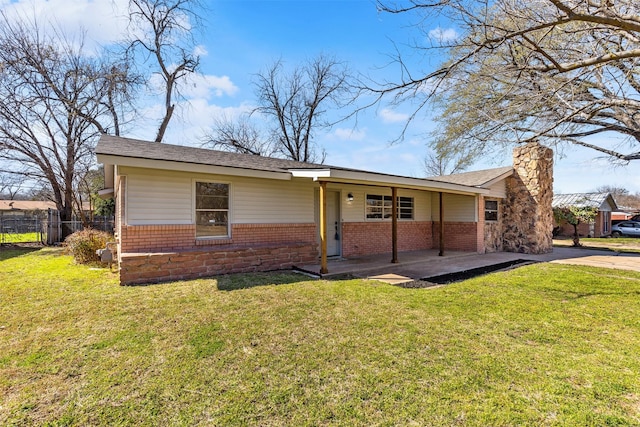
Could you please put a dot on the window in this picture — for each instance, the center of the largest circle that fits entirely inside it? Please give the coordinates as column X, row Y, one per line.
column 606, row 221
column 212, row 209
column 379, row 207
column 490, row 210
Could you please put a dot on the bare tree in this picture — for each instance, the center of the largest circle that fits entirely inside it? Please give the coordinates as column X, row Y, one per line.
column 623, row 197
column 296, row 103
column 240, row 135
column 10, row 185
column 161, row 30
column 559, row 70
column 436, row 164
column 55, row 103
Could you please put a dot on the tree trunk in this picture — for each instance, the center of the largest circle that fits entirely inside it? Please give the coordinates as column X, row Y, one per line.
column 576, row 236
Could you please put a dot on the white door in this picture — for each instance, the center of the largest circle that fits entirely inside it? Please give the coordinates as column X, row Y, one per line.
column 334, row 232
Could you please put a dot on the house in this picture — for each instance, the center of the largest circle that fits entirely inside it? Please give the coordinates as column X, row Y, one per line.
column 24, row 208
column 603, row 202
column 184, row 212
column 624, row 215
column 23, row 216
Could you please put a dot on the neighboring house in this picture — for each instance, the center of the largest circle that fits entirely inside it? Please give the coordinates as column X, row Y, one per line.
column 24, row 208
column 185, row 212
column 624, row 215
column 601, row 226
column 23, row 216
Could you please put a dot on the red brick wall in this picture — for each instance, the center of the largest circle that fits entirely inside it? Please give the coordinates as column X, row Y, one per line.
column 156, row 238
column 367, row 238
column 162, row 267
column 458, row 236
column 480, row 226
column 156, row 253
column 583, row 228
column 168, row 238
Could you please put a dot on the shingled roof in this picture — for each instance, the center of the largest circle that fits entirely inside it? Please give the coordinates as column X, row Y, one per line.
column 135, row 148
column 133, row 152
column 479, row 178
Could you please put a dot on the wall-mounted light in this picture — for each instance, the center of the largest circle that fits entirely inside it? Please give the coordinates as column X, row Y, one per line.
column 350, row 197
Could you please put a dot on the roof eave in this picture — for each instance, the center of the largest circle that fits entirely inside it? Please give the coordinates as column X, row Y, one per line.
column 498, row 179
column 382, row 180
column 178, row 166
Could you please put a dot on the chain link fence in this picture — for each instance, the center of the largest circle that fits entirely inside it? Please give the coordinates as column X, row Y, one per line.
column 45, row 227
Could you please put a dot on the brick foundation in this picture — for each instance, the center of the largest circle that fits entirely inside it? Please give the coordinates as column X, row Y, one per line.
column 156, row 253
column 162, row 267
column 368, row 238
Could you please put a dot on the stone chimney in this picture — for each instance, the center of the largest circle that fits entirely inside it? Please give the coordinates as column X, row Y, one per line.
column 528, row 216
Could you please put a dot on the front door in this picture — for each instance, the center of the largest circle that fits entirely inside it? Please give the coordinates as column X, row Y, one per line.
column 334, row 232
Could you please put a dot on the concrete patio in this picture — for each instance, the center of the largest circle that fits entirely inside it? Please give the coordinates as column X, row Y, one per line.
column 423, row 264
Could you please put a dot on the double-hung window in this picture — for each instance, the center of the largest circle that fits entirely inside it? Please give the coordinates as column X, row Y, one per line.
column 380, row 207
column 212, row 209
column 490, row 210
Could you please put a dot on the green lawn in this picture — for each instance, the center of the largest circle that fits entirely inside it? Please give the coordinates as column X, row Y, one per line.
column 540, row 345
column 20, row 237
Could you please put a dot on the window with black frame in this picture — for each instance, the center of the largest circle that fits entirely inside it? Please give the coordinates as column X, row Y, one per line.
column 380, row 207
column 212, row 209
column 490, row 210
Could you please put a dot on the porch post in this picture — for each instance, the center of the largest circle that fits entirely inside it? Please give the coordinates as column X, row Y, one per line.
column 323, row 228
column 441, row 253
column 394, row 225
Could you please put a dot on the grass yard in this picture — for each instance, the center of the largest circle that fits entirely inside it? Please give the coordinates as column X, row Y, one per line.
column 617, row 244
column 20, row 237
column 542, row 345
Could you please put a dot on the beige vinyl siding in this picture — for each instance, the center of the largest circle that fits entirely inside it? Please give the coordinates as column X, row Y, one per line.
column 157, row 197
column 354, row 211
column 498, row 190
column 457, row 208
column 260, row 201
column 166, row 197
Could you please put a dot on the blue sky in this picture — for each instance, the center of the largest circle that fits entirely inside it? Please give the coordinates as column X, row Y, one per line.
column 242, row 37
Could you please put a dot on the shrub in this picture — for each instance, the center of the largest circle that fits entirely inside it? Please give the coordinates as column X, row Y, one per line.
column 84, row 244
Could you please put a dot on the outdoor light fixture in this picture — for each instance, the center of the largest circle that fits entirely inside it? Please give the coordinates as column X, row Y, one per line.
column 350, row 197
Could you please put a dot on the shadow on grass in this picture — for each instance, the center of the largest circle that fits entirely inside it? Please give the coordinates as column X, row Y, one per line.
column 8, row 251
column 233, row 282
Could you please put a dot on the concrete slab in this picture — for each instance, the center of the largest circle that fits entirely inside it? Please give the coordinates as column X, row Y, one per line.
column 393, row 279
column 422, row 264
column 604, row 261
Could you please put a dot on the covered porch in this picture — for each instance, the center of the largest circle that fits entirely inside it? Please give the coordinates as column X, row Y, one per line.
column 412, row 266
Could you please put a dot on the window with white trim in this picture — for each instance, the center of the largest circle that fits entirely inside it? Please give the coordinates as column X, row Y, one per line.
column 212, row 209
column 380, row 207
column 490, row 210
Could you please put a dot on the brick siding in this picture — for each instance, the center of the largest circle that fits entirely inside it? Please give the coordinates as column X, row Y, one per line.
column 156, row 253
column 368, row 238
column 458, row 236
column 169, row 238
column 584, row 229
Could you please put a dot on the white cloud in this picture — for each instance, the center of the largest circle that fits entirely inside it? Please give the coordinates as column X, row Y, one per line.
column 191, row 120
column 104, row 21
column 390, row 116
column 443, row 35
column 348, row 134
column 198, row 86
column 200, row 50
column 206, row 85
